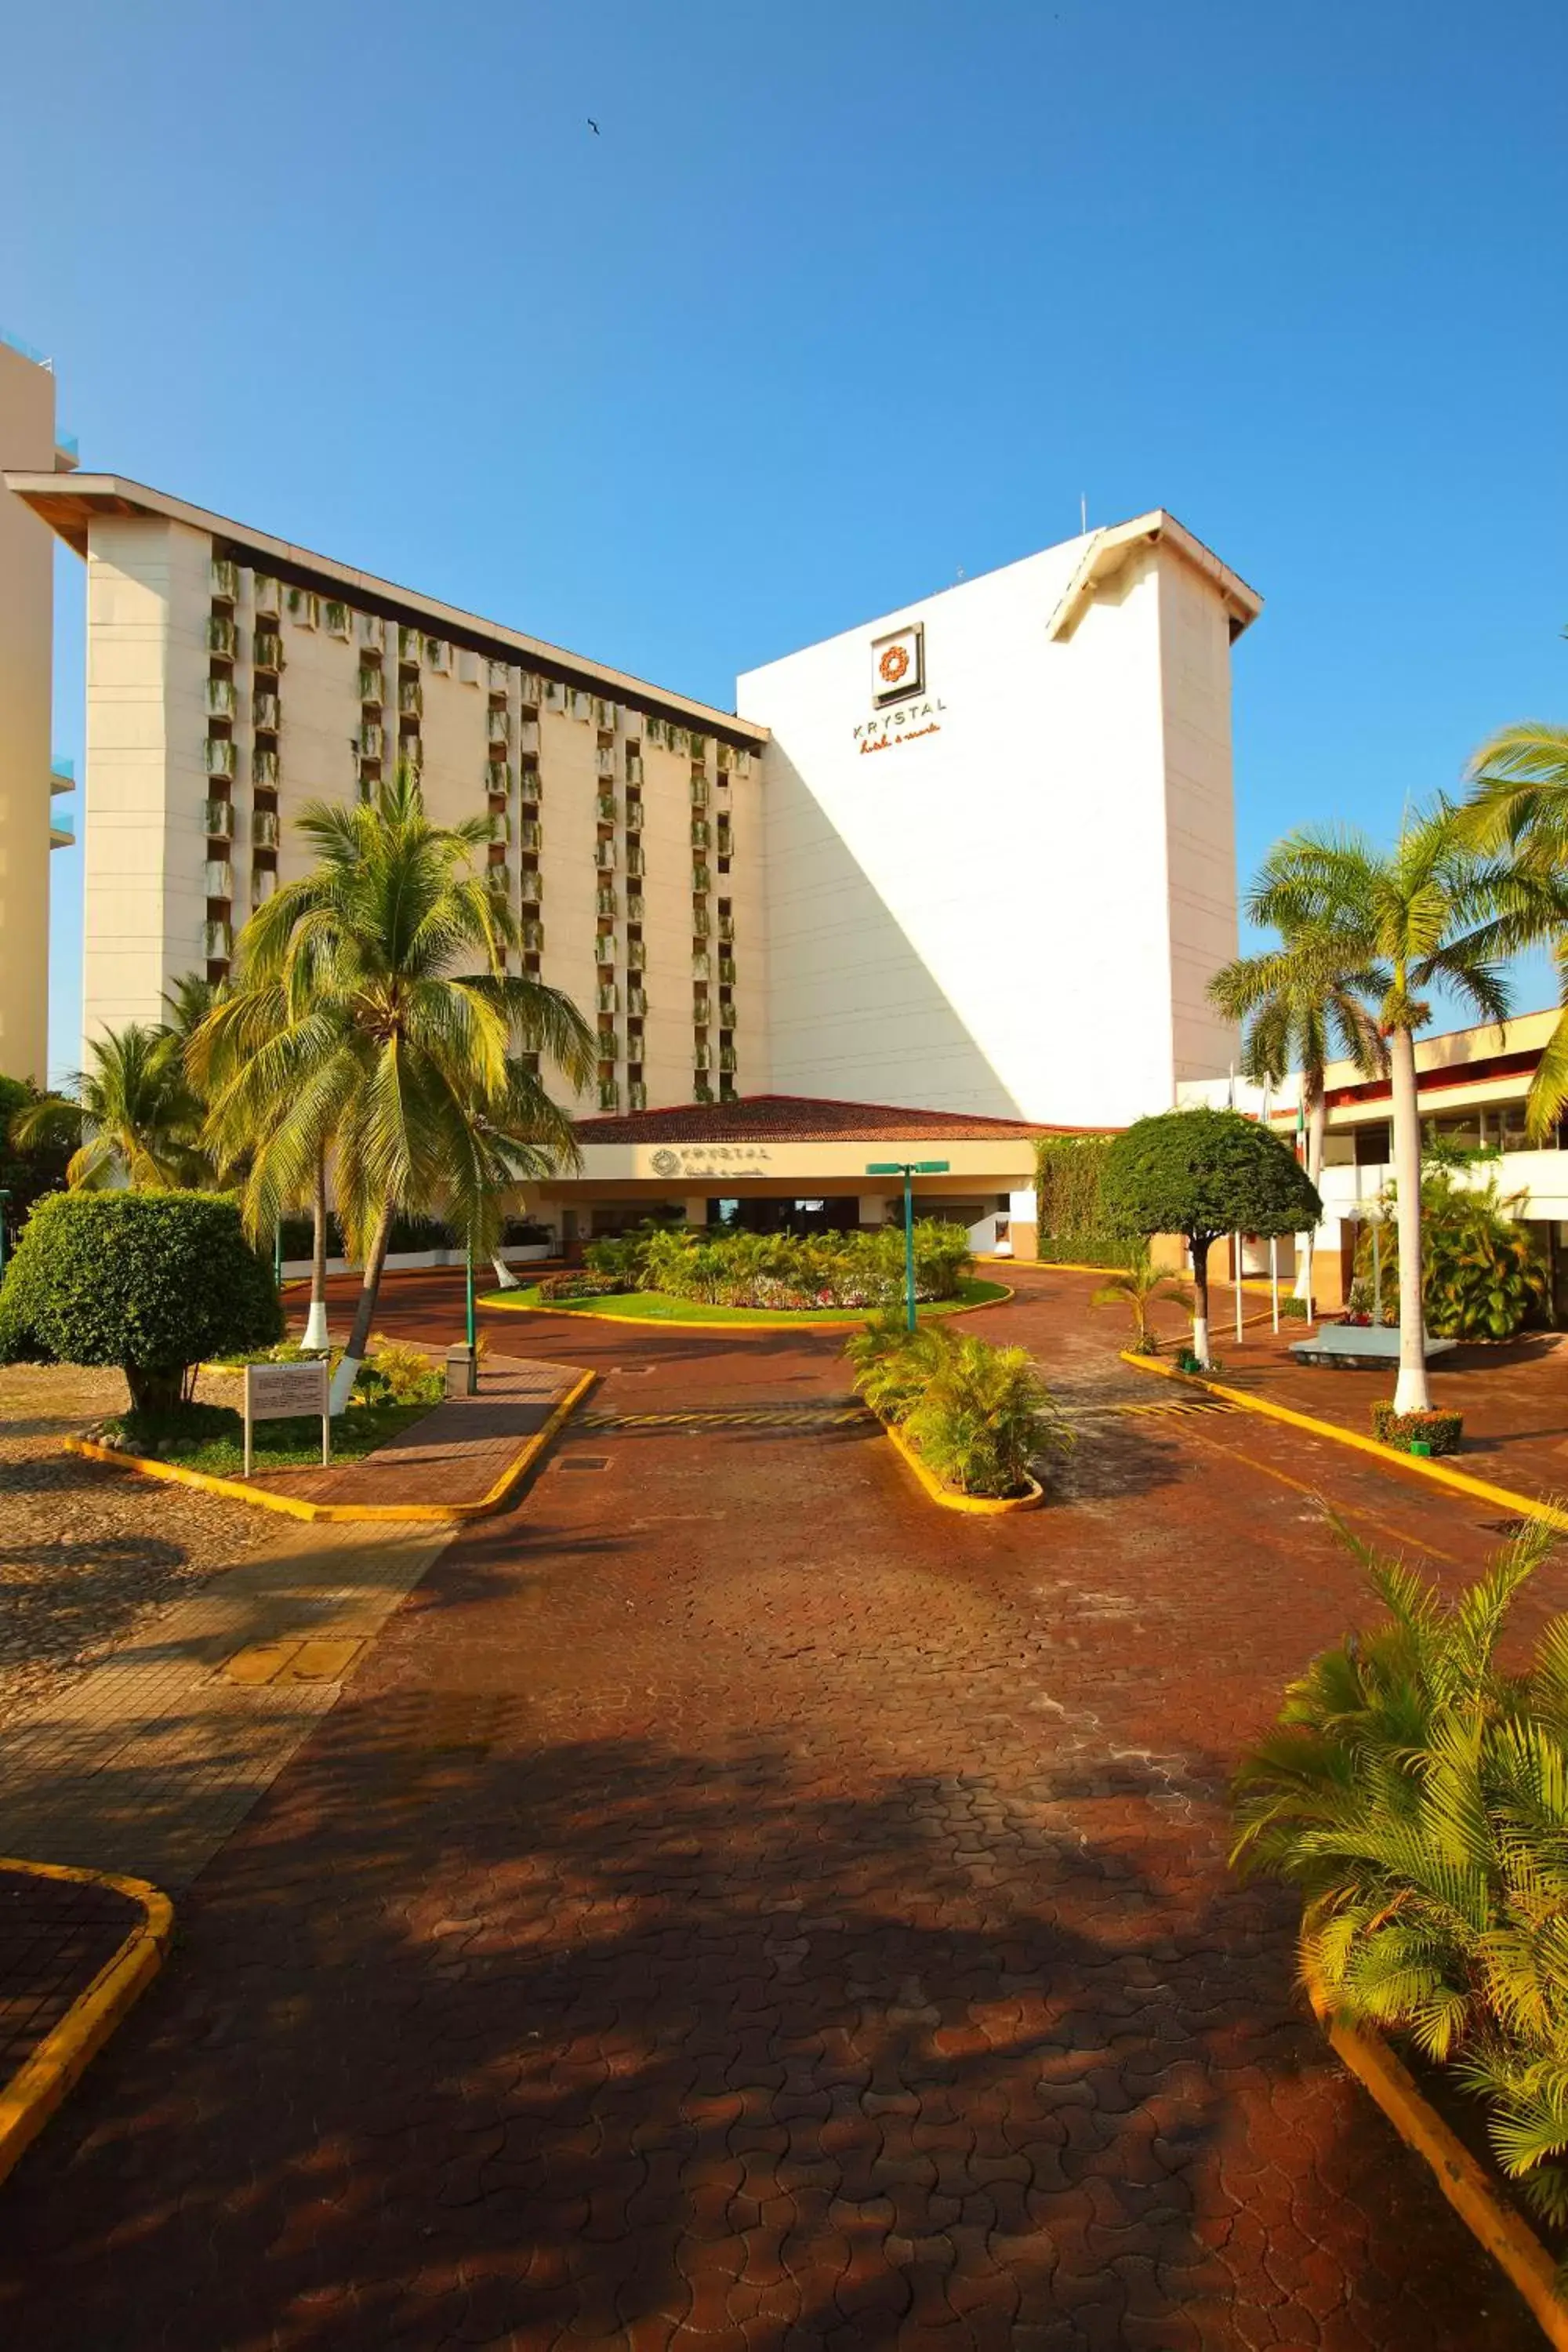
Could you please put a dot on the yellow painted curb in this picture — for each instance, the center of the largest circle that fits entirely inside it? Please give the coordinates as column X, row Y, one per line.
column 986, row 1506
column 294, row 1507
column 1527, row 1506
column 37, row 2087
column 1510, row 2241
column 783, row 1321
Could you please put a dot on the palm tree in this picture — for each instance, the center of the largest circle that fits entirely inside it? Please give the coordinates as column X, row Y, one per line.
column 1519, row 805
column 1298, row 1000
column 406, row 1054
column 1427, row 913
column 137, row 1120
column 1139, row 1287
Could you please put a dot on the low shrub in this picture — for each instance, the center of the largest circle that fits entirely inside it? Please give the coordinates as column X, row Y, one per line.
column 1441, row 1432
column 1482, row 1275
column 579, row 1284
column 1292, row 1310
column 1418, row 1796
column 525, row 1233
column 623, row 1255
column 394, row 1373
column 981, row 1416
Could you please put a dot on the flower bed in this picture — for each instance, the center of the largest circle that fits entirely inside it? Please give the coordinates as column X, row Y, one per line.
column 1432, row 1432
column 784, row 1273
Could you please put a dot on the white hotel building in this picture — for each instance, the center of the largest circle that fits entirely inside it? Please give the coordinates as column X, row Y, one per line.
column 974, row 857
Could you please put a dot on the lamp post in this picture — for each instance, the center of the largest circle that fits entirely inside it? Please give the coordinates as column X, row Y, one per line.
column 909, row 1170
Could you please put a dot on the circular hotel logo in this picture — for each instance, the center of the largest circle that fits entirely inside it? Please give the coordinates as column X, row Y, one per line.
column 665, row 1164
column 898, row 665
column 893, row 663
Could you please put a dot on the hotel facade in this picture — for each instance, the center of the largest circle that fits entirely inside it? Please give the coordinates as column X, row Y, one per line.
column 972, row 858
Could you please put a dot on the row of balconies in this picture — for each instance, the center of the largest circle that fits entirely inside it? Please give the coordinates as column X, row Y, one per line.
column 709, row 1057
column 702, row 967
column 217, row 820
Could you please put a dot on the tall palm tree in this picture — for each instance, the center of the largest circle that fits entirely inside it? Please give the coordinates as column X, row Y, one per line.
column 1296, row 1001
column 406, row 1054
column 138, row 1121
column 1519, row 805
column 1427, row 913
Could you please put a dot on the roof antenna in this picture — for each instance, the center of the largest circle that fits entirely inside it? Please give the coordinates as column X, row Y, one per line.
column 1083, row 514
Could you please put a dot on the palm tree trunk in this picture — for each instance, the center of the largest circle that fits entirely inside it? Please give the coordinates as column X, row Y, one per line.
column 316, row 1334
column 1317, row 1126
column 1201, row 1246
column 1411, row 1393
column 347, row 1372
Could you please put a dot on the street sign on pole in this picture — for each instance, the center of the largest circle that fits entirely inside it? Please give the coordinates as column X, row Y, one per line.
column 909, row 1170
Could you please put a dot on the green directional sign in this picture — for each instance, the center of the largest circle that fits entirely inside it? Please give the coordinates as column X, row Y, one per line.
column 909, row 1170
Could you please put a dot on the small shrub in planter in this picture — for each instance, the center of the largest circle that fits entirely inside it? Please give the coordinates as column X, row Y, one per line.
column 1292, row 1310
column 979, row 1415
column 1435, row 1433
column 581, row 1285
column 396, row 1373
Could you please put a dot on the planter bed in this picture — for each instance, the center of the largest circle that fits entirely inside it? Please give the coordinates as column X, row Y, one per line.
column 953, row 1498
column 657, row 1306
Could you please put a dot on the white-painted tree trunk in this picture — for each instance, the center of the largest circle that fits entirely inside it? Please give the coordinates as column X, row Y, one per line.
column 1317, row 1124
column 1201, row 1339
column 315, row 1340
column 1411, row 1393
column 343, row 1381
column 505, row 1278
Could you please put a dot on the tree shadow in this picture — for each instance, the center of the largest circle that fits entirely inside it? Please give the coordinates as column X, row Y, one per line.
column 478, row 2034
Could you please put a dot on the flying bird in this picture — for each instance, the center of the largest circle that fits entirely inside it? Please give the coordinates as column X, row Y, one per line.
column 594, row 127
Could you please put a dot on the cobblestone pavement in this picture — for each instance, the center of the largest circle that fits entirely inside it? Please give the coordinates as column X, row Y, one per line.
column 55, row 1934
column 90, row 1554
column 734, row 1903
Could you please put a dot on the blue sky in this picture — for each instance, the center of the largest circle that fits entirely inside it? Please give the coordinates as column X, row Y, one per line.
column 842, row 299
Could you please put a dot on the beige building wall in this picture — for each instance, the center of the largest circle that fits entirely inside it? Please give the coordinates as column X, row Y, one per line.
column 27, row 640
column 222, row 698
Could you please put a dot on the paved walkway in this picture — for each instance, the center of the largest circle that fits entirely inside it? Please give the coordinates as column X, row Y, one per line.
column 55, row 1936
column 736, row 1904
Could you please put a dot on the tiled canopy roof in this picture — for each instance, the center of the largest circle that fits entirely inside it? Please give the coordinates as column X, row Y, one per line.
column 802, row 1118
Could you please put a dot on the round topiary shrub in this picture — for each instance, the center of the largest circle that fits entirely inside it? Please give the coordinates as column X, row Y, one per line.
column 154, row 1282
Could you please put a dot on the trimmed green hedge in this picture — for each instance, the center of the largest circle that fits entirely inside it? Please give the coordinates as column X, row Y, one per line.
column 154, row 1282
column 1441, row 1430
column 1070, row 1221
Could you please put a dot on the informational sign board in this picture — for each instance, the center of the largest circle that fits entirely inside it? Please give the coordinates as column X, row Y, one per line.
column 285, row 1393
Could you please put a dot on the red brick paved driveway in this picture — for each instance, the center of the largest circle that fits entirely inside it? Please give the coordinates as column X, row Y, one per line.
column 738, row 1904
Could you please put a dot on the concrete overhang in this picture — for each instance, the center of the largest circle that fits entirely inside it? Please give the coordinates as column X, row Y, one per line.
column 1108, row 550
column 71, row 503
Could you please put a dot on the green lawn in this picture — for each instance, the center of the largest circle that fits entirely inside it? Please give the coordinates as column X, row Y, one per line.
column 656, row 1306
column 211, row 1438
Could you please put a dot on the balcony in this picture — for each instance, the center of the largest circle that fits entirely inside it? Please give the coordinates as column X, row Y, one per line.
column 723, row 757
column 265, row 713
column 438, row 654
column 411, row 752
column 219, row 878
column 217, row 820
column 607, row 808
column 528, row 737
column 220, row 636
column 224, row 575
column 304, row 607
column 529, row 688
column 337, row 618
column 500, row 827
column 609, row 1045
column 62, row 831
column 701, row 832
column 497, row 676
column 633, row 767
column 372, row 629
column 221, row 698
column 531, row 834
column 727, row 1058
column 636, row 1096
column 609, row 997
column 701, row 1092
column 220, row 752
column 725, row 841
column 605, row 902
column 727, row 927
column 371, row 684
column 533, row 936
column 604, row 856
column 410, row 697
column 609, row 1095
column 370, row 739
column 530, row 887
column 701, row 967
column 265, row 597
column 637, row 908
column 218, row 941
column 699, row 791
column 579, row 706
column 263, row 885
column 263, row 770
column 498, row 725
column 634, row 860
column 266, row 651
column 498, row 778
column 498, row 881
column 636, row 1001
column 701, row 880
column 531, row 785
column 743, row 767
column 698, row 746
column 702, row 1056
column 727, row 971
column 605, row 715
column 637, row 955
column 605, row 760
column 264, row 829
